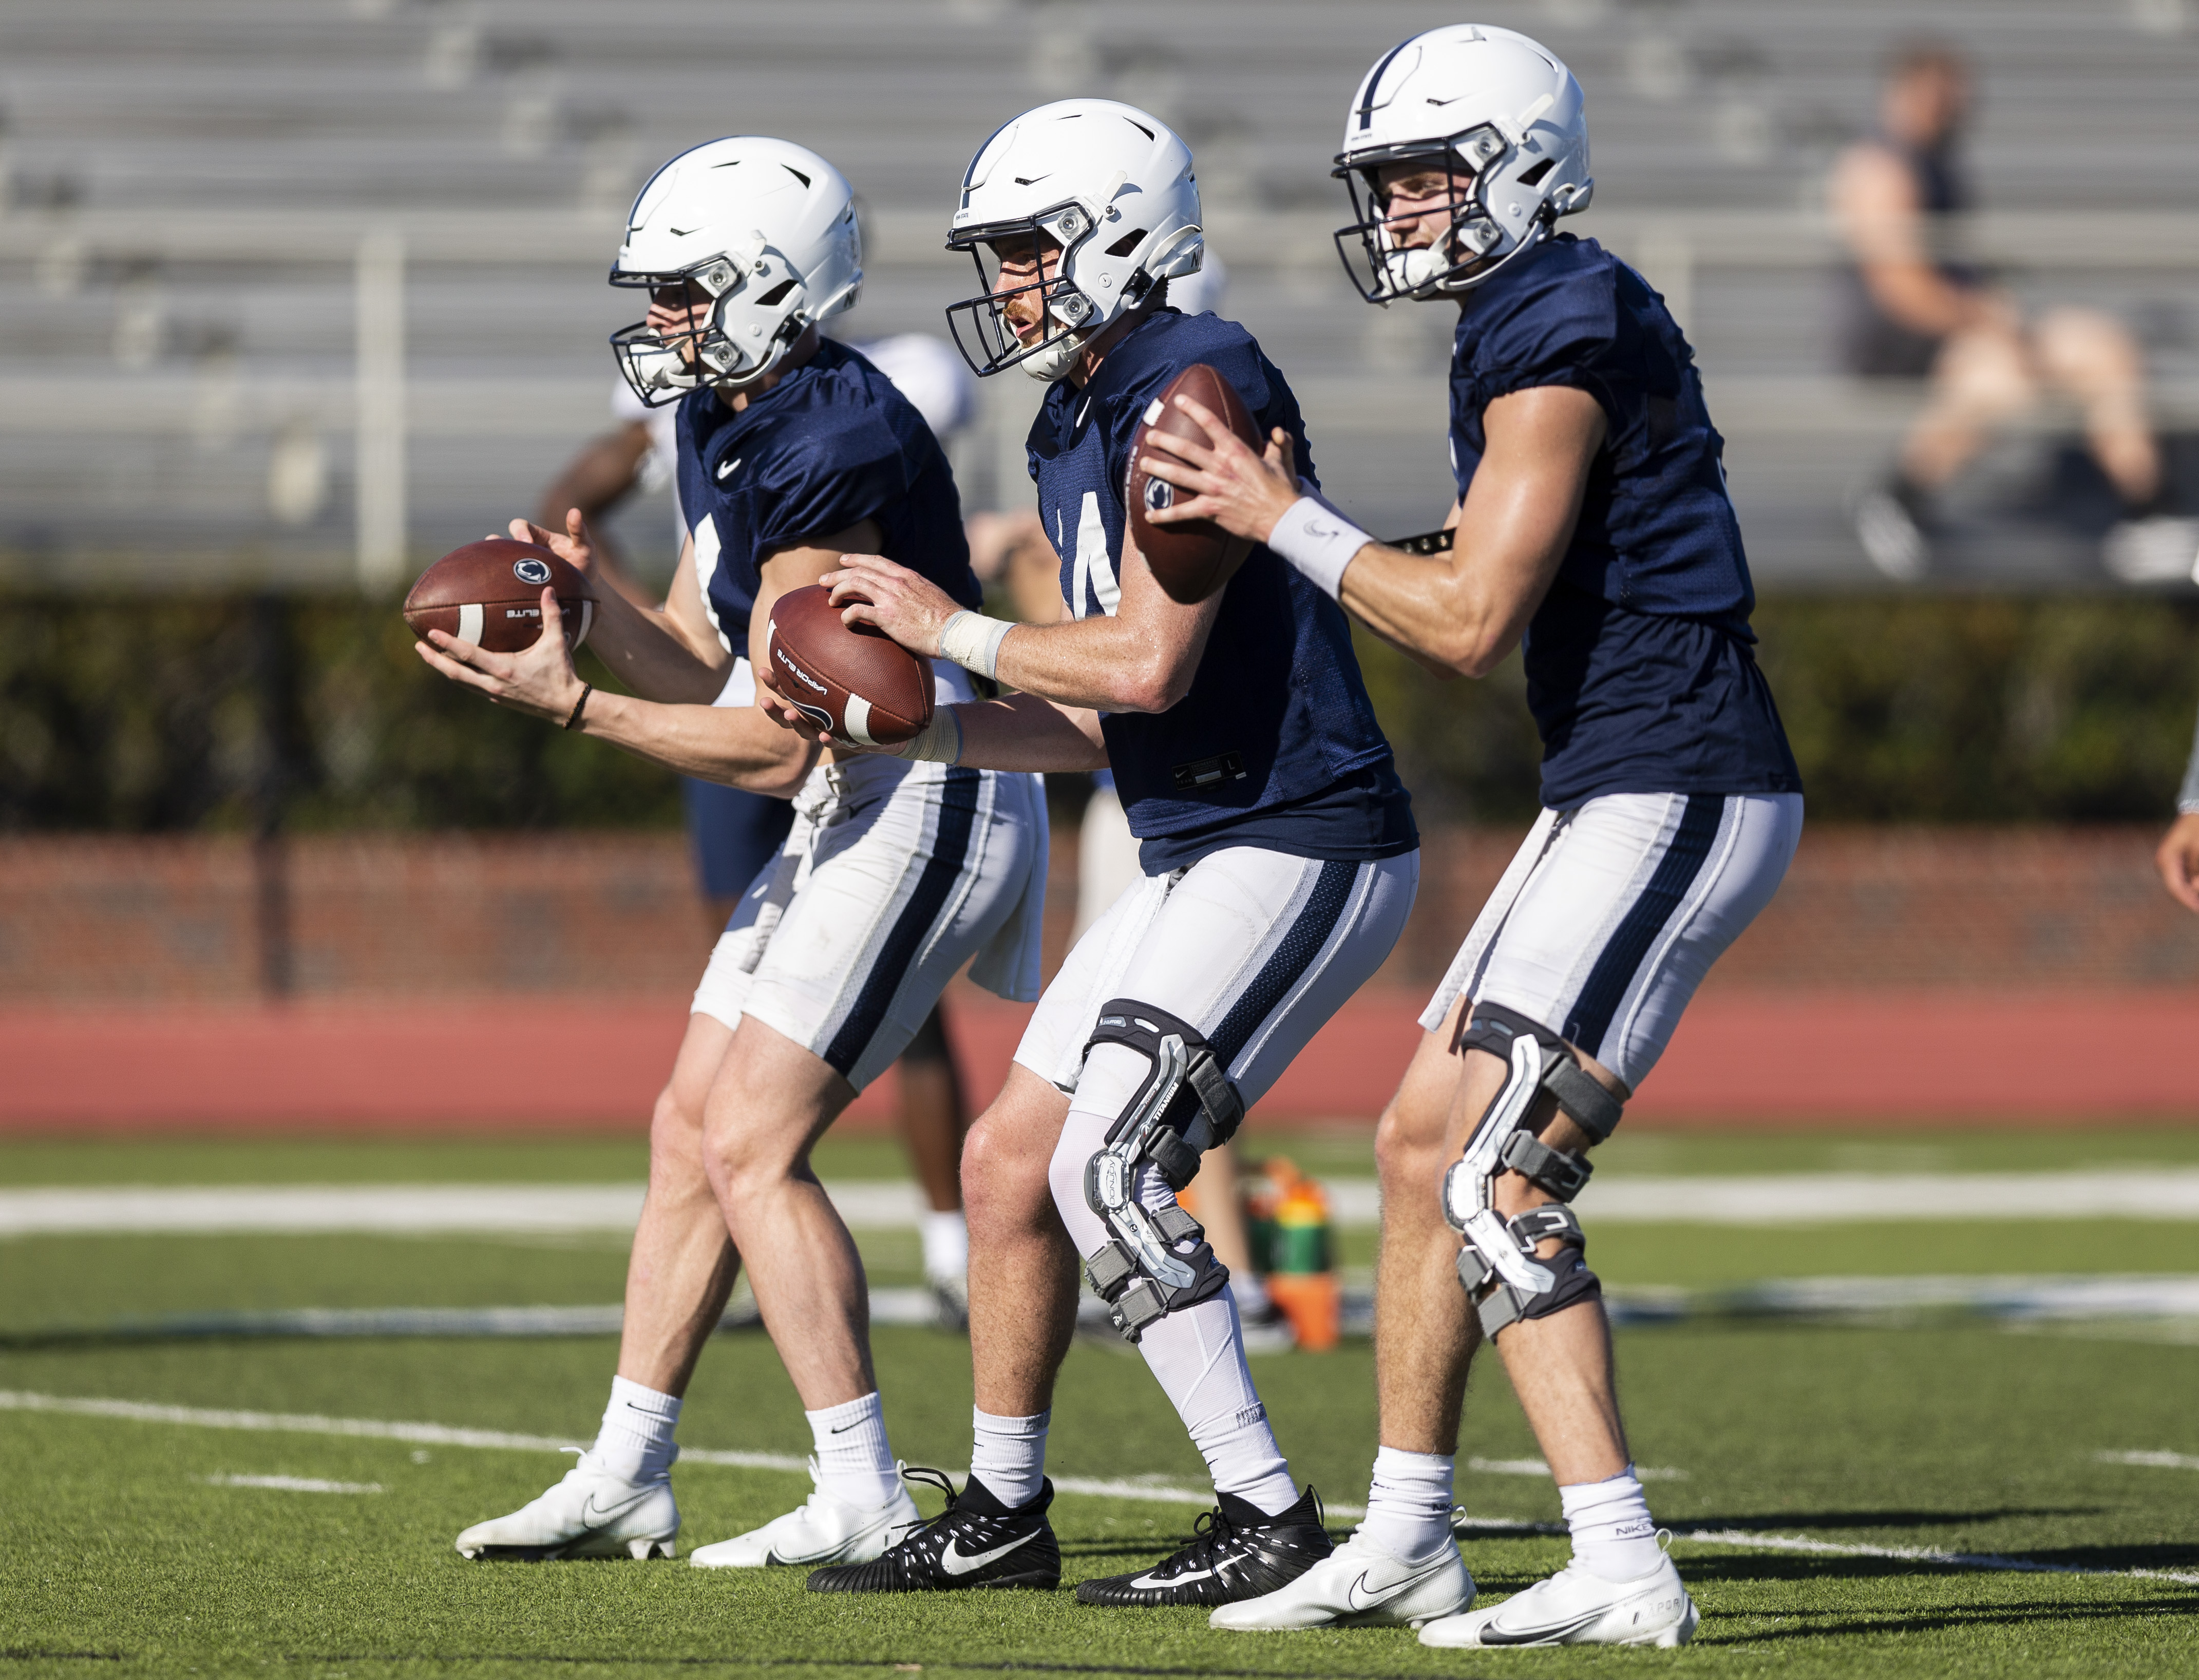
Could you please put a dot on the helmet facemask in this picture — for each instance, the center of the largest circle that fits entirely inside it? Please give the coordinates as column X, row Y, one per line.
column 985, row 328
column 664, row 367
column 1470, row 248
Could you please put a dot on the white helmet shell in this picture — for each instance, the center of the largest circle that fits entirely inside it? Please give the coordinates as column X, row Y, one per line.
column 766, row 229
column 1490, row 103
column 1109, row 184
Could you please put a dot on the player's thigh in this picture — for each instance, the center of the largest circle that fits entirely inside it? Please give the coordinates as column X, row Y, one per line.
column 905, row 885
column 769, row 1102
column 1986, row 372
column 1256, row 949
column 2085, row 351
column 1638, row 895
column 675, row 1128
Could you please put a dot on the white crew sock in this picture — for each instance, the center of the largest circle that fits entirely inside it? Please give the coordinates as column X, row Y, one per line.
column 854, row 1462
column 946, row 1245
column 1196, row 1353
column 1613, row 1536
column 636, row 1437
column 1009, row 1455
column 1408, row 1506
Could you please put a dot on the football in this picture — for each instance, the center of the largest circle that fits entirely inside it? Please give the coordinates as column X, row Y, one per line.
column 857, row 683
column 490, row 594
column 1190, row 561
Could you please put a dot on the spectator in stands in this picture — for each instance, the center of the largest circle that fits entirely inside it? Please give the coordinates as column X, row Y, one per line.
column 1912, row 311
column 733, row 833
column 2179, row 856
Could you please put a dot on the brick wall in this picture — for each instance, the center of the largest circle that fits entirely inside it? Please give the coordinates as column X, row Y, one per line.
column 100, row 919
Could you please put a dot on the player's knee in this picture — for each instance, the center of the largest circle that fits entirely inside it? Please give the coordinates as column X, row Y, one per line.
column 2084, row 349
column 1408, row 1148
column 1004, row 1179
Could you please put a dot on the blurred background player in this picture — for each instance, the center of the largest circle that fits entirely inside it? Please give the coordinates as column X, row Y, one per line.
column 2178, row 855
column 1592, row 522
column 1279, row 861
column 1910, row 309
column 792, row 450
column 733, row 833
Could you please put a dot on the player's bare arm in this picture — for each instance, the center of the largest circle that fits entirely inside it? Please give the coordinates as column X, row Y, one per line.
column 669, row 653
column 1463, row 612
column 1139, row 659
column 1873, row 197
column 738, row 745
column 2177, row 860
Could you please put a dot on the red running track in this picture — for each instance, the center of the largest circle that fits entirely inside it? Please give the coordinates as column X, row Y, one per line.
column 1787, row 1059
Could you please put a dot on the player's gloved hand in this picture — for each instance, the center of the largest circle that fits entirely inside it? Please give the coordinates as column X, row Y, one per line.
column 539, row 680
column 575, row 544
column 1242, row 492
column 904, row 604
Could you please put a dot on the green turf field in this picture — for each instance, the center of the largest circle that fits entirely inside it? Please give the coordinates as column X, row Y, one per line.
column 122, row 1549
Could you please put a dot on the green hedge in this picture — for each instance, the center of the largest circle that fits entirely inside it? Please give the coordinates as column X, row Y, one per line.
column 142, row 715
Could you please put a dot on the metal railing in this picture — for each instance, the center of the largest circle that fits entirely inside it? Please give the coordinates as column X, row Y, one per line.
column 383, row 407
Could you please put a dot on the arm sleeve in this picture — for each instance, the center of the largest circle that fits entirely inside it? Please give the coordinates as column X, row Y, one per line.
column 827, row 479
column 2187, row 801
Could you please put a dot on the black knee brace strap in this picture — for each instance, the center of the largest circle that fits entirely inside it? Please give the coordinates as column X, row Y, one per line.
column 1492, row 1027
column 1204, row 1110
column 1501, row 1305
column 1133, row 1302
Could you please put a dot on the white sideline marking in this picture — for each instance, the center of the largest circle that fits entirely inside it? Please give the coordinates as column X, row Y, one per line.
column 1742, row 1540
column 2150, row 1461
column 2135, row 1193
column 293, row 1484
column 443, row 1435
column 1535, row 1466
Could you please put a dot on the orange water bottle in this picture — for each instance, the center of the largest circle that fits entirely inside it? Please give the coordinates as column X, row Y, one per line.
column 1301, row 1257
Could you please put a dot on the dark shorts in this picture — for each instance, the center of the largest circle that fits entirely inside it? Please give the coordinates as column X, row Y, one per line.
column 734, row 834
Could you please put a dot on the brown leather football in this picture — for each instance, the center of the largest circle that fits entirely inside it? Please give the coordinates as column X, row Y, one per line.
column 853, row 681
column 1190, row 561
column 490, row 594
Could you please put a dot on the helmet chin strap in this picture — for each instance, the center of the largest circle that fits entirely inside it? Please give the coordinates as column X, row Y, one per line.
column 1053, row 365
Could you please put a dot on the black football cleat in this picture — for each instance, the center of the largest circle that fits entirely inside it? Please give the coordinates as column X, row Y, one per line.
column 976, row 1542
column 1241, row 1553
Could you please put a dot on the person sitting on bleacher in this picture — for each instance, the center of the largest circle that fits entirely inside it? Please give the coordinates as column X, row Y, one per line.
column 1911, row 312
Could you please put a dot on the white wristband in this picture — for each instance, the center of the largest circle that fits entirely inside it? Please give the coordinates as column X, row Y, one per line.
column 973, row 641
column 1319, row 541
column 939, row 742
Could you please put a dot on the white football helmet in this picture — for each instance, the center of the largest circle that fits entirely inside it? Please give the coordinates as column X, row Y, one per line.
column 1109, row 184
column 767, row 231
column 1492, row 106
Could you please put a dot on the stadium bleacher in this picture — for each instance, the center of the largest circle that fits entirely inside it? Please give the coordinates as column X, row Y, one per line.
column 187, row 184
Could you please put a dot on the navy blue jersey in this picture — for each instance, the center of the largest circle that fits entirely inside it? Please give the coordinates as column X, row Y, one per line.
column 1276, row 744
column 1640, row 669
column 830, row 446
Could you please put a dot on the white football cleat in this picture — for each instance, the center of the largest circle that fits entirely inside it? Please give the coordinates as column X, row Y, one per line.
column 593, row 1513
column 823, row 1530
column 1359, row 1584
column 1574, row 1608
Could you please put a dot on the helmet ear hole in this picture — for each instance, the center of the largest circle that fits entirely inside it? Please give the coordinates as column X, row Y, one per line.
column 1533, row 177
column 1128, row 243
column 776, row 295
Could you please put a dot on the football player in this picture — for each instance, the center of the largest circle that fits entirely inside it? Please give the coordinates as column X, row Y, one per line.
column 792, row 450
column 1592, row 524
column 1277, row 846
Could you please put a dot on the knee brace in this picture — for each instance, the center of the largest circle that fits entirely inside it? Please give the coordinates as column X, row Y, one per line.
column 1186, row 1107
column 1501, row 1302
column 1539, row 1061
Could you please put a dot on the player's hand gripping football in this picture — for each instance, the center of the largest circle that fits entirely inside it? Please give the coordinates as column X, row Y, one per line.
column 907, row 606
column 576, row 546
column 540, row 681
column 1242, row 492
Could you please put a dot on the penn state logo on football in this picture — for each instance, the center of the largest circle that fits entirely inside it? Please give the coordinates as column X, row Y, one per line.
column 1159, row 494
column 532, row 571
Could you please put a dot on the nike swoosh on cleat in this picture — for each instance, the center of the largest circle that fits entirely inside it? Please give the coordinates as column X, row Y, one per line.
column 956, row 1561
column 1147, row 1583
column 1493, row 1635
column 1351, row 1593
column 597, row 1517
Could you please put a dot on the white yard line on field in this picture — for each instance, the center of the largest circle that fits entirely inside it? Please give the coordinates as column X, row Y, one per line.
column 1535, row 1466
column 1764, row 1199
column 1741, row 1539
column 444, row 1435
column 436, row 1434
column 2151, row 1461
column 292, row 1484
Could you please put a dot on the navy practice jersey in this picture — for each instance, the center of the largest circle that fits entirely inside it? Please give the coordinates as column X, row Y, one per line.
column 1276, row 744
column 830, row 446
column 1640, row 669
